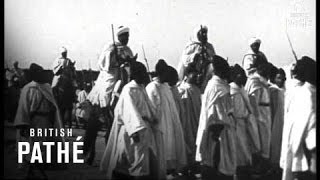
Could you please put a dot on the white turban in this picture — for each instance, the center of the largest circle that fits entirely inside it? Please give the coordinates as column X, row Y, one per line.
column 254, row 40
column 122, row 30
column 63, row 50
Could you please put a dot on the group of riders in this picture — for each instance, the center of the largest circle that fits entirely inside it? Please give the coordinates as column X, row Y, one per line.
column 117, row 68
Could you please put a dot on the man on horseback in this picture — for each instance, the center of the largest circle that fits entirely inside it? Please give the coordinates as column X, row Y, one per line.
column 63, row 84
column 253, row 56
column 114, row 64
column 198, row 53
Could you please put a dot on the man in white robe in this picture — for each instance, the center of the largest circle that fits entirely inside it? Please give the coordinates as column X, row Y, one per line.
column 173, row 81
column 131, row 144
column 63, row 84
column 257, row 89
column 83, row 106
column 59, row 64
column 253, row 55
column 112, row 57
column 216, row 147
column 37, row 109
column 198, row 46
column 247, row 142
column 191, row 101
column 298, row 154
column 277, row 115
column 109, row 64
column 162, row 99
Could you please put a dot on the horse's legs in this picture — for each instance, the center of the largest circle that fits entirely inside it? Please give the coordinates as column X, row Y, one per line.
column 67, row 116
column 62, row 112
column 91, row 133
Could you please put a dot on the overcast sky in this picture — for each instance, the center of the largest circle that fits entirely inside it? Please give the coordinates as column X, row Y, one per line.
column 36, row 29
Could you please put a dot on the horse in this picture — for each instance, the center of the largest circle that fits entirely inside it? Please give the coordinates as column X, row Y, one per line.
column 64, row 91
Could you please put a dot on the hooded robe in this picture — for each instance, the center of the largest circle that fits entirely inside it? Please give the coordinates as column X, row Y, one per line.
column 259, row 96
column 133, row 115
column 299, row 133
column 216, row 109
column 38, row 109
column 277, row 116
column 191, row 101
column 169, row 124
column 192, row 48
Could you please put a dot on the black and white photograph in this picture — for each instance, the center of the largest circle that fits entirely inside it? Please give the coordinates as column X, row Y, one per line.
column 159, row 89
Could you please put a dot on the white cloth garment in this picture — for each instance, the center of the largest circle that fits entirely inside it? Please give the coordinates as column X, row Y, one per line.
column 133, row 115
column 216, row 108
column 299, row 133
column 169, row 124
column 108, row 76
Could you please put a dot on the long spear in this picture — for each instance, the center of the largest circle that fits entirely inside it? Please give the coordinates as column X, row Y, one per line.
column 144, row 55
column 293, row 52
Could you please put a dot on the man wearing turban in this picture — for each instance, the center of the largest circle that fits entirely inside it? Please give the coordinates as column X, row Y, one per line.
column 63, row 84
column 112, row 57
column 253, row 56
column 198, row 48
column 109, row 62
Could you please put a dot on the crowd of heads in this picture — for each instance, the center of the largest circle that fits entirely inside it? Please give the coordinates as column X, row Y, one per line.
column 303, row 70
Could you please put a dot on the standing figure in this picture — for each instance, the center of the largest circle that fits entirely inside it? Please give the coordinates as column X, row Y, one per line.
column 258, row 92
column 131, row 148
column 19, row 74
column 247, row 142
column 298, row 153
column 198, row 53
column 38, row 110
column 277, row 114
column 83, row 106
column 64, row 85
column 162, row 99
column 172, row 80
column 216, row 136
column 191, row 102
column 253, row 56
column 11, row 95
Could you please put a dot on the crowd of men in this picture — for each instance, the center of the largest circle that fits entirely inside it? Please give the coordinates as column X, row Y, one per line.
column 206, row 119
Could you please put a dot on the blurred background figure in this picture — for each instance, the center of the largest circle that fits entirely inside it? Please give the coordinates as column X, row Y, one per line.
column 64, row 85
column 19, row 74
column 83, row 106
